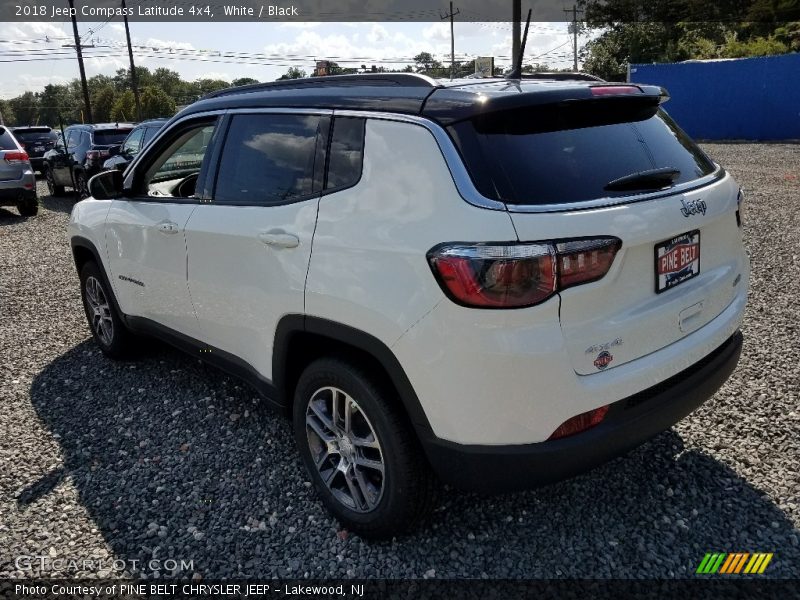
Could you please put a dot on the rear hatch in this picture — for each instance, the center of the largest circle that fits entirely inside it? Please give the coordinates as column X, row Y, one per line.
column 13, row 160
column 36, row 140
column 615, row 167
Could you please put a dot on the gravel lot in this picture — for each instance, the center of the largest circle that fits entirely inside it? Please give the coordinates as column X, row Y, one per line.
column 166, row 458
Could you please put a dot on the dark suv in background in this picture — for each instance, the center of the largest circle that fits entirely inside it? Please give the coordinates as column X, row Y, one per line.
column 36, row 140
column 74, row 160
column 137, row 139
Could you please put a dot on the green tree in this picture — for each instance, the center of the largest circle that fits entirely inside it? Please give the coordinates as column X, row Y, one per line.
column 244, row 81
column 425, row 63
column 206, row 86
column 293, row 73
column 55, row 101
column 156, row 103
column 25, row 108
column 124, row 108
column 6, row 113
column 103, row 101
column 169, row 81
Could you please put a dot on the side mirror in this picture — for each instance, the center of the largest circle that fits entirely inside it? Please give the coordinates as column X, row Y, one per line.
column 106, row 185
column 114, row 150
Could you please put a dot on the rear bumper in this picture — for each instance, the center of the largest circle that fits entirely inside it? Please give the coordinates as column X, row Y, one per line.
column 14, row 191
column 629, row 423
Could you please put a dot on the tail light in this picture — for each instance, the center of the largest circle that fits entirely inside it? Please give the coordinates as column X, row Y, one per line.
column 580, row 422
column 96, row 154
column 518, row 275
column 15, row 157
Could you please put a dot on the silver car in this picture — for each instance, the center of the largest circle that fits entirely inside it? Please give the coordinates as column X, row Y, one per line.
column 17, row 181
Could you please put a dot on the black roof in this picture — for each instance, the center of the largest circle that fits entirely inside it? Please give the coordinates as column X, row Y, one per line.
column 413, row 94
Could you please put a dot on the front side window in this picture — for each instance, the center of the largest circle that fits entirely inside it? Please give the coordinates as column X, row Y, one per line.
column 174, row 171
column 269, row 159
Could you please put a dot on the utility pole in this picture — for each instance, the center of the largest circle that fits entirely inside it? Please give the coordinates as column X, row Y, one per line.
column 84, row 85
column 452, row 41
column 574, row 31
column 516, row 19
column 134, row 83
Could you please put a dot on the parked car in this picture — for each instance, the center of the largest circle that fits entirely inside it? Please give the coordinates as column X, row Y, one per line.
column 17, row 180
column 80, row 155
column 36, row 140
column 472, row 278
column 137, row 139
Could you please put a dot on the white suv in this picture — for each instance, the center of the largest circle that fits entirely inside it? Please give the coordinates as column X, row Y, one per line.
column 500, row 282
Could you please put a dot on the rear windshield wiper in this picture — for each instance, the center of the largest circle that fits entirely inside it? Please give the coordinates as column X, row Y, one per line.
column 654, row 179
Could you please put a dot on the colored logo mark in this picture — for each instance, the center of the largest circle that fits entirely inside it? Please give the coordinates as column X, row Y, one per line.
column 734, row 563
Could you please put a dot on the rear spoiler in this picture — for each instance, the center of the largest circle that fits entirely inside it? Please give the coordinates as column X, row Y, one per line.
column 448, row 106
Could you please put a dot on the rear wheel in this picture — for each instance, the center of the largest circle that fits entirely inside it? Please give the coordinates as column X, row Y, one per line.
column 108, row 330
column 52, row 188
column 29, row 207
column 81, row 185
column 362, row 456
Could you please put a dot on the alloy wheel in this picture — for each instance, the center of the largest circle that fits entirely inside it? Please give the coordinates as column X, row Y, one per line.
column 99, row 310
column 345, row 449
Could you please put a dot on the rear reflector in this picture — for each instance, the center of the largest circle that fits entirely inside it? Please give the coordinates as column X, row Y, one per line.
column 16, row 157
column 580, row 423
column 518, row 275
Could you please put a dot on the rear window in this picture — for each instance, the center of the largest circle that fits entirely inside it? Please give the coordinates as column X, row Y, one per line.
column 6, row 141
column 110, row 137
column 540, row 156
column 35, row 133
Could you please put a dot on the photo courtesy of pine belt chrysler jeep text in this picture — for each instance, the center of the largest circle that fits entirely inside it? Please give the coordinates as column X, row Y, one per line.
column 501, row 283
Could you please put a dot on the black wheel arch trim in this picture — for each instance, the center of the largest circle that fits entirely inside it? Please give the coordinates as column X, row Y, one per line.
column 292, row 324
column 82, row 242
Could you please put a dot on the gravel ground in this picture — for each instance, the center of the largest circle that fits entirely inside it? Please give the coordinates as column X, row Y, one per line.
column 165, row 458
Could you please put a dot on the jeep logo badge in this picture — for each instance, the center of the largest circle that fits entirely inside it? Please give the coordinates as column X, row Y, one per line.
column 693, row 207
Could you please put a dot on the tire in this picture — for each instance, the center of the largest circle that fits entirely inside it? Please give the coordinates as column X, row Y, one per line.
column 29, row 207
column 52, row 188
column 109, row 332
column 81, row 185
column 371, row 502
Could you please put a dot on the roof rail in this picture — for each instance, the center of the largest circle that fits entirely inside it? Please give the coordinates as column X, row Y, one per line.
column 562, row 76
column 396, row 79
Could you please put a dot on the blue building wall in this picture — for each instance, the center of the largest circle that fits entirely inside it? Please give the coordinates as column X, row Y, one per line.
column 742, row 99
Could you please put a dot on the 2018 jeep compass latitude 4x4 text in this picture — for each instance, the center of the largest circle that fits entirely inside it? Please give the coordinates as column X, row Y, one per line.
column 499, row 283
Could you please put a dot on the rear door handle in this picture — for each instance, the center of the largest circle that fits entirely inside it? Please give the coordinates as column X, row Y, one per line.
column 279, row 239
column 168, row 227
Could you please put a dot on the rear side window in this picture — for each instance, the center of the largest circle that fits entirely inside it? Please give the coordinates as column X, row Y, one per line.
column 6, row 141
column 553, row 158
column 149, row 132
column 346, row 153
column 269, row 159
column 110, row 137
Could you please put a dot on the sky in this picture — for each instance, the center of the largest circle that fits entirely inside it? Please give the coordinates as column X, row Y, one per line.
column 203, row 50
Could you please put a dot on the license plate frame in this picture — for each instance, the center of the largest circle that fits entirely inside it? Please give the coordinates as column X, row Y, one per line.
column 676, row 260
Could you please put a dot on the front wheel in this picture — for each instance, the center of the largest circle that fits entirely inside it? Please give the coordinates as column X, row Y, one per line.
column 362, row 456
column 108, row 330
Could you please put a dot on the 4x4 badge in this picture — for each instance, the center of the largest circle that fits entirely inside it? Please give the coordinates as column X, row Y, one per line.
column 693, row 207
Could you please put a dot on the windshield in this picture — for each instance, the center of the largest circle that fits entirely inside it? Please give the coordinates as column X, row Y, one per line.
column 550, row 157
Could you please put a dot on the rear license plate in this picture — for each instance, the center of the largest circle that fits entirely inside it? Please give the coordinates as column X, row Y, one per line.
column 38, row 148
column 677, row 260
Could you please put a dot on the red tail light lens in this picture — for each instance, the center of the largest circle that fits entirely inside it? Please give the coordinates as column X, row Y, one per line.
column 16, row 157
column 613, row 90
column 582, row 261
column 580, row 422
column 518, row 275
column 496, row 276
